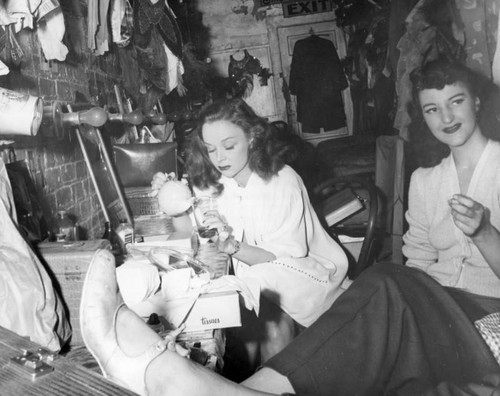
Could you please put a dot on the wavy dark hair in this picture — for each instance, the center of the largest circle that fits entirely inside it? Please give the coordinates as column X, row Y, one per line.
column 266, row 154
column 435, row 74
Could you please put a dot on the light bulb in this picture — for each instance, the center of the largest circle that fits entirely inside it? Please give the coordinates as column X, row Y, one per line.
column 96, row 117
column 135, row 117
column 157, row 118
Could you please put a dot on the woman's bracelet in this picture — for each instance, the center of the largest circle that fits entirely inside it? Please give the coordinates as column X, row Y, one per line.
column 237, row 247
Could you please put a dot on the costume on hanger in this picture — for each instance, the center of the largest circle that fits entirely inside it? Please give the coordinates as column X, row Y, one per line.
column 158, row 42
column 317, row 79
column 241, row 74
column 148, row 16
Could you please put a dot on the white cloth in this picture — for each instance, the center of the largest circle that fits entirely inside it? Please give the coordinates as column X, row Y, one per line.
column 277, row 216
column 6, row 192
column 102, row 34
column 50, row 34
column 137, row 280
column 117, row 12
column 4, row 69
column 175, row 70
column 29, row 306
column 433, row 243
column 18, row 12
column 496, row 58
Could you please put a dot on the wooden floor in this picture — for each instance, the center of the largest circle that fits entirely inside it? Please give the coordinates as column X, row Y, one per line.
column 60, row 375
column 82, row 356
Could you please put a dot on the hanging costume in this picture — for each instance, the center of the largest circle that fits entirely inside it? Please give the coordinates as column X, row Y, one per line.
column 317, row 79
column 241, row 74
column 155, row 28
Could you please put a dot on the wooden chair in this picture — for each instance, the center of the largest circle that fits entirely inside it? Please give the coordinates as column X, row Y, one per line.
column 361, row 224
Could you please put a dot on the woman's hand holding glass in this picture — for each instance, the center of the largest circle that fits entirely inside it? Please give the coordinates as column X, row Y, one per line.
column 213, row 220
column 468, row 215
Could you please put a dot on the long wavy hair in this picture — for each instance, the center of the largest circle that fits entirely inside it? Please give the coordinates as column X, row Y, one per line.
column 266, row 153
column 428, row 150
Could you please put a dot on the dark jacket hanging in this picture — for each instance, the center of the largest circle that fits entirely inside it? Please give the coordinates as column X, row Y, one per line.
column 317, row 79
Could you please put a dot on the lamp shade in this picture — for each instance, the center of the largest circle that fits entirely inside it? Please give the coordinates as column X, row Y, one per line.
column 20, row 114
column 174, row 198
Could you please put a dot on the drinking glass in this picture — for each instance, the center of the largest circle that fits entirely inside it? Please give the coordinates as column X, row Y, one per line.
column 201, row 208
column 216, row 262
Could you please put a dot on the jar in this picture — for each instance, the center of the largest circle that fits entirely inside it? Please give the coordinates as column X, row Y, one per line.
column 125, row 233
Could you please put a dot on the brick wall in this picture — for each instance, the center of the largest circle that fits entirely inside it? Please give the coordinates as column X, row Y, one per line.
column 58, row 169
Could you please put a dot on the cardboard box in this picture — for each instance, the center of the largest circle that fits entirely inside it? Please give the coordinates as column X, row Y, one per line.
column 214, row 311
column 207, row 311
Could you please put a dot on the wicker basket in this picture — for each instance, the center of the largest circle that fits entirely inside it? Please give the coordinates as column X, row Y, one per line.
column 141, row 202
column 159, row 224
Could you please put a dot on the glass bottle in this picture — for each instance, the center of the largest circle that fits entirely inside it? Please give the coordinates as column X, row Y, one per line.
column 65, row 227
column 107, row 231
column 112, row 237
column 125, row 233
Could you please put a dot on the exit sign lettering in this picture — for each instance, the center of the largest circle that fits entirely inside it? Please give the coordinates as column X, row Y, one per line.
column 301, row 8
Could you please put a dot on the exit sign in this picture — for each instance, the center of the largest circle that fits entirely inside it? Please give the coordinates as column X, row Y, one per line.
column 301, row 8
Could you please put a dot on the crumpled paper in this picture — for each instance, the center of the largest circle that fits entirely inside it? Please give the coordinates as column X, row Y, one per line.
column 137, row 280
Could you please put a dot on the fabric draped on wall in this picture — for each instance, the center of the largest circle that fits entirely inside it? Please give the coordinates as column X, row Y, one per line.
column 433, row 28
column 317, row 79
column 480, row 18
column 466, row 30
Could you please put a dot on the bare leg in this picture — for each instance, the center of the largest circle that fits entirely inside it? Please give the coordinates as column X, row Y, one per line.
column 266, row 379
column 172, row 375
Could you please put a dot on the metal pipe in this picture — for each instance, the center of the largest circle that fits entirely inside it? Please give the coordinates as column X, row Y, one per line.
column 114, row 179
column 91, row 171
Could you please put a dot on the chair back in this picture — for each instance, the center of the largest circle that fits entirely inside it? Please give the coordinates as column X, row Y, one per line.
column 360, row 223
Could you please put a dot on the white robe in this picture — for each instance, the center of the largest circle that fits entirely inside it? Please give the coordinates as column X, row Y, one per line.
column 277, row 216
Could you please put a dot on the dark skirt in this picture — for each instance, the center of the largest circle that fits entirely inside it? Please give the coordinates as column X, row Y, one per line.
column 395, row 331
